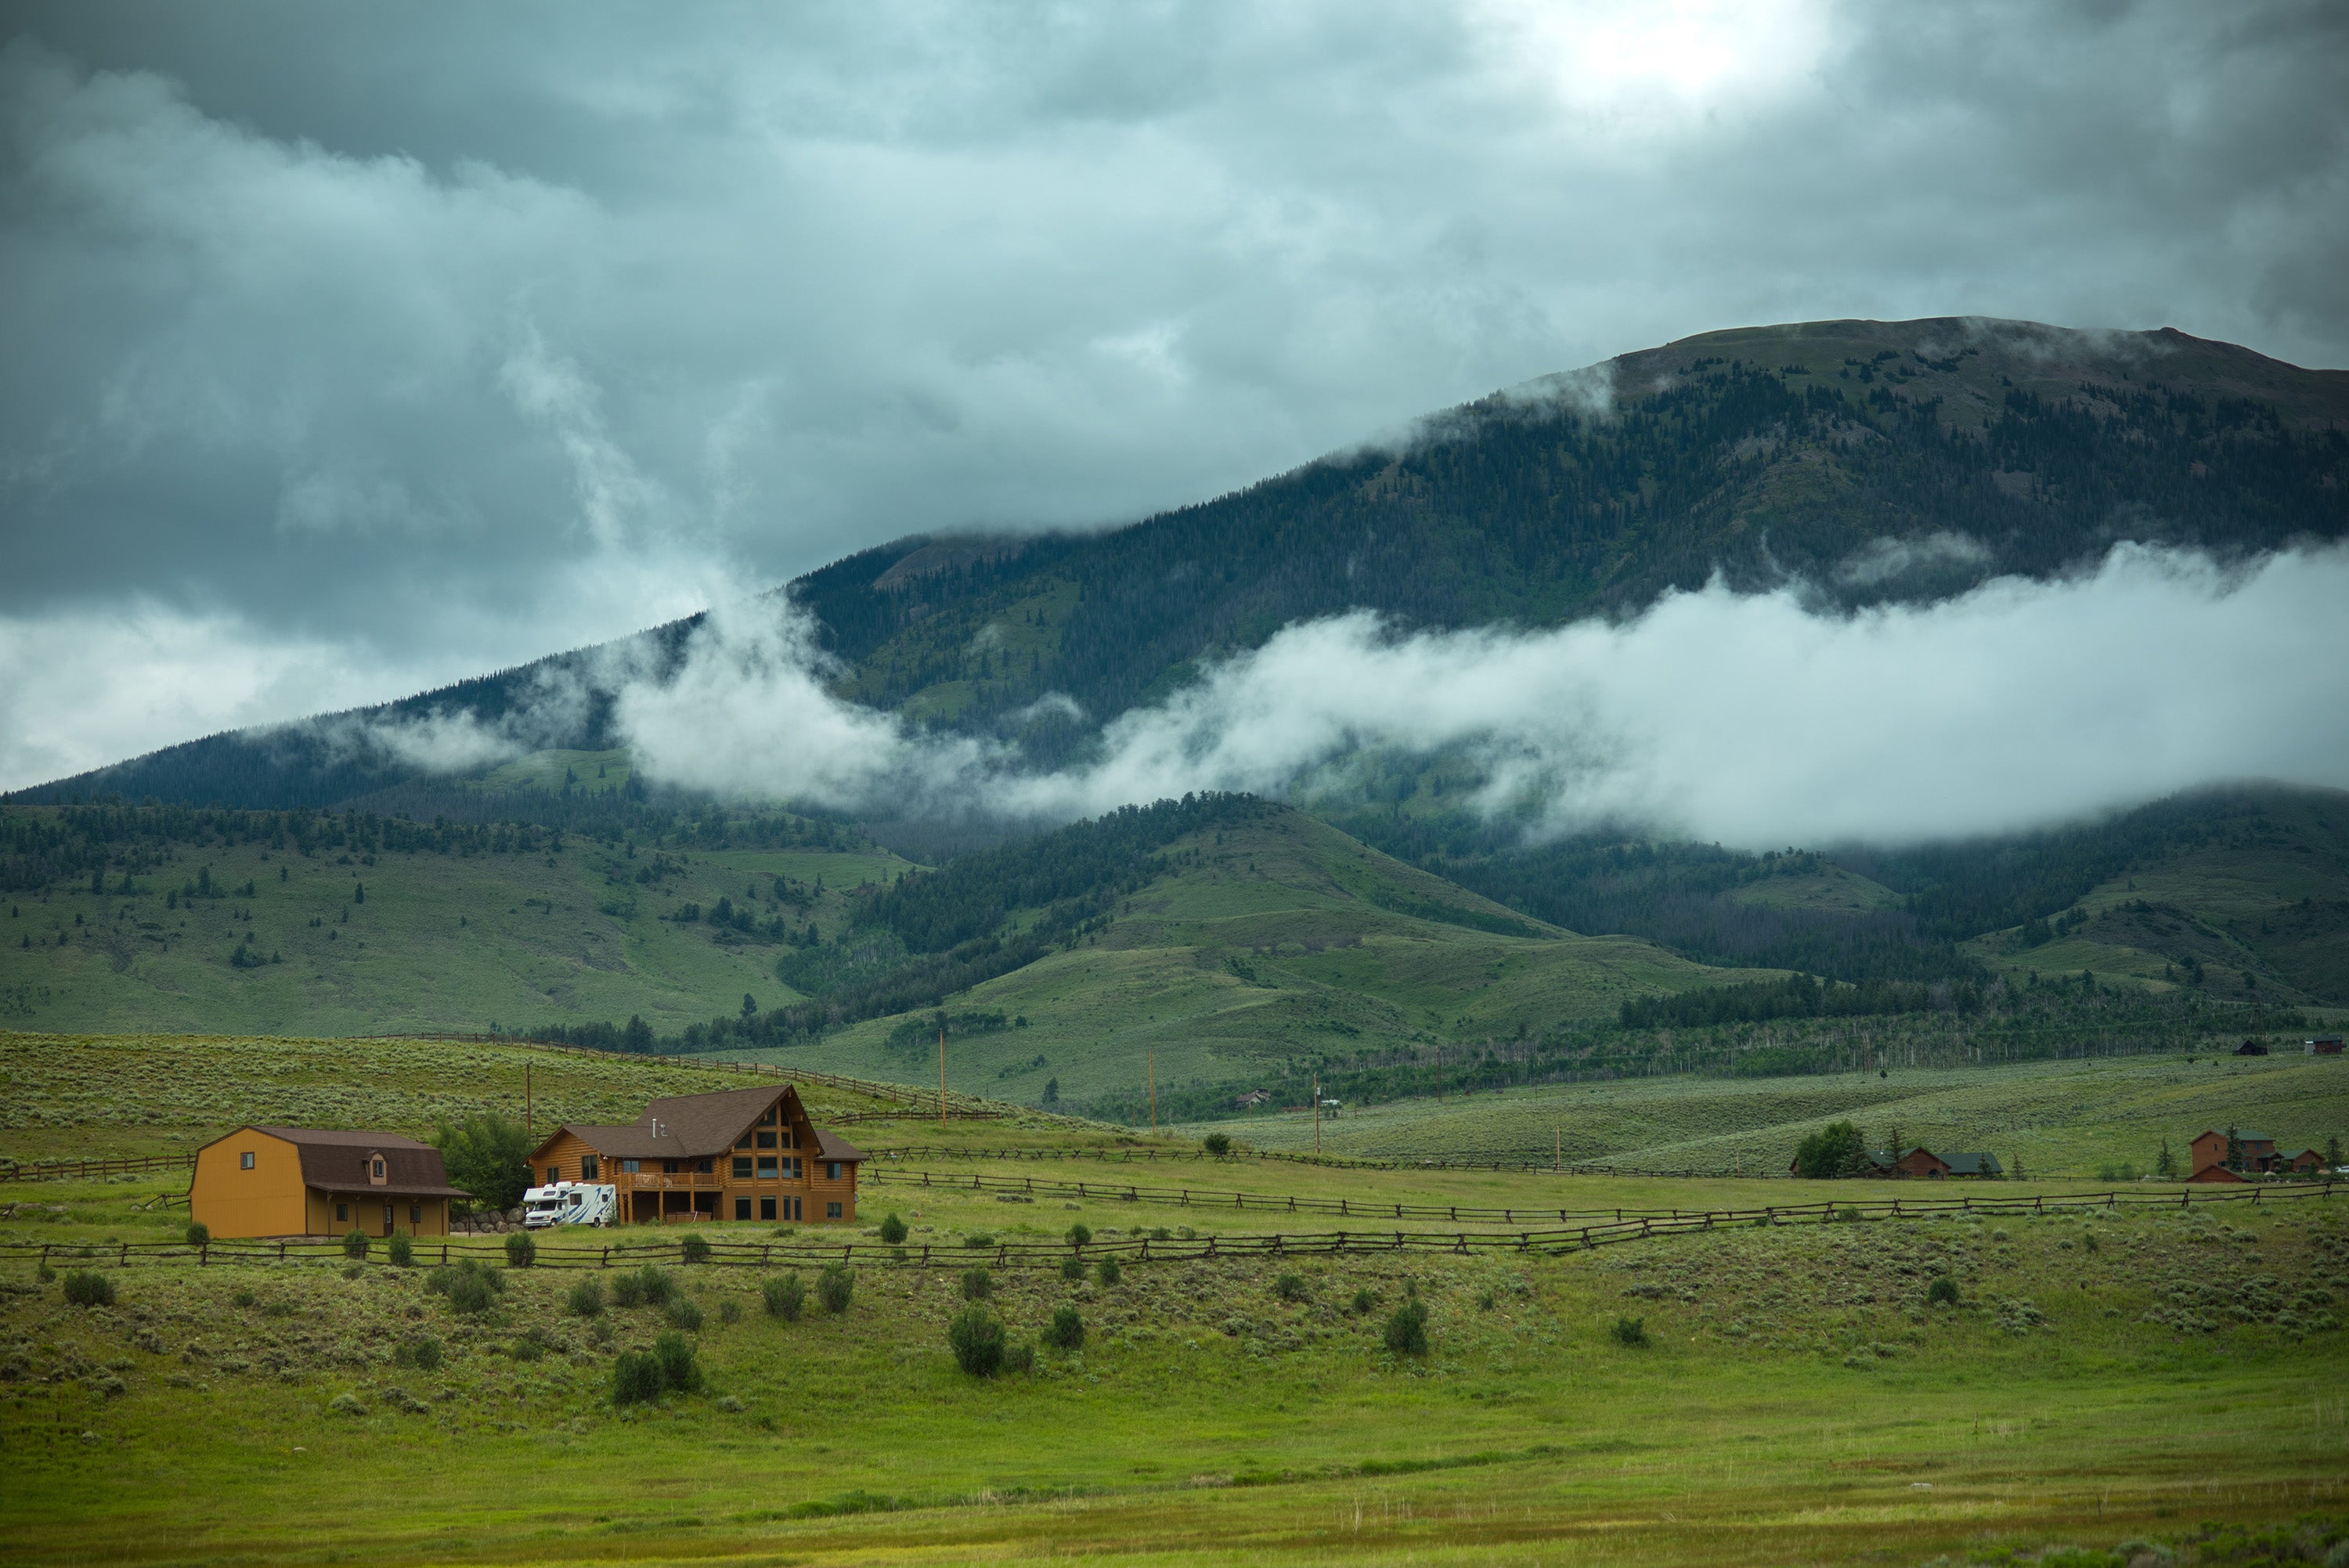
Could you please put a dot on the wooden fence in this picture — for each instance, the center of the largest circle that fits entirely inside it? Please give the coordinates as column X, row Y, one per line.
column 1551, row 1240
column 1123, row 1155
column 67, row 1170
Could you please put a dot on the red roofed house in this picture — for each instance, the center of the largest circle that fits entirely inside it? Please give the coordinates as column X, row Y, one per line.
column 2306, row 1160
column 2258, row 1150
column 737, row 1154
column 1918, row 1162
column 313, row 1182
column 2216, row 1173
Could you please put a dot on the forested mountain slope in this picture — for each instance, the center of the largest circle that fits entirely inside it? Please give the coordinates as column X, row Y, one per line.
column 1872, row 460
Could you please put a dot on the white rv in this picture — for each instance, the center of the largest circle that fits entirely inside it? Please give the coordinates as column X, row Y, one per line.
column 570, row 1204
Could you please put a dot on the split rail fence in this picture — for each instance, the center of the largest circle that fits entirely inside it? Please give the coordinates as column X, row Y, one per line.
column 697, row 1249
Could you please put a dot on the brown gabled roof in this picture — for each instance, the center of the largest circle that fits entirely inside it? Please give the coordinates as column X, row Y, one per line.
column 336, row 1159
column 700, row 1126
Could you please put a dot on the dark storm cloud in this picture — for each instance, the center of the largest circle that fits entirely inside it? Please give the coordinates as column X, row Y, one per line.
column 351, row 350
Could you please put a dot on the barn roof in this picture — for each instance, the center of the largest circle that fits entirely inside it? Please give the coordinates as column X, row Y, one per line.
column 2242, row 1135
column 1974, row 1164
column 336, row 1159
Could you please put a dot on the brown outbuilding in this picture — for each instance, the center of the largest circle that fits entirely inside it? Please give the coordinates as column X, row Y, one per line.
column 320, row 1182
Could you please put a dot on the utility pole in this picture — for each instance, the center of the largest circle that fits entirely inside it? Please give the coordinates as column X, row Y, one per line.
column 528, row 1122
column 1557, row 1152
column 1316, row 1113
column 1151, row 1058
column 942, row 1072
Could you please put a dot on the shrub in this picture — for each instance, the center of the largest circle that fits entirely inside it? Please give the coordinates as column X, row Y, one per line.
column 679, row 1371
column 422, row 1352
column 977, row 1285
column 978, row 1238
column 521, row 1249
column 686, row 1313
column 198, row 1234
column 530, row 1347
column 1068, row 1330
column 1080, row 1234
column 85, row 1288
column 1847, row 1214
column 400, row 1250
column 242, row 1296
column 784, row 1296
column 1837, row 1148
column 1072, row 1267
column 1289, row 1287
column 1943, row 1289
column 977, row 1337
column 696, row 1248
column 1216, row 1144
column 1110, row 1273
column 646, row 1286
column 354, row 1242
column 470, row 1286
column 636, row 1377
column 834, row 1285
column 1020, row 1358
column 1407, row 1329
column 1632, row 1331
column 585, row 1299
column 729, row 1311
column 1364, row 1300
column 893, row 1230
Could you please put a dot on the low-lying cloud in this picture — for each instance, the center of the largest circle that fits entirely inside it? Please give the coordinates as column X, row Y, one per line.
column 1750, row 719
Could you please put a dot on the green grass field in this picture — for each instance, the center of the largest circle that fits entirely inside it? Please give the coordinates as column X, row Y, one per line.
column 2060, row 1118
column 2129, row 1373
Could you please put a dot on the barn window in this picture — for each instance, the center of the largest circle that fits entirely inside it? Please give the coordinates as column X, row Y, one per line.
column 245, row 1160
column 378, row 1172
column 342, row 1213
column 415, row 1214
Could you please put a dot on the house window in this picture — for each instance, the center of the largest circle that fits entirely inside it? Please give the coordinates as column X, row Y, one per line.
column 553, row 1174
column 832, row 1169
column 742, row 1171
column 374, row 1171
column 387, row 1219
column 342, row 1213
column 766, row 1208
column 790, row 1138
column 632, row 1166
column 766, row 1166
column 669, row 1167
column 832, row 1210
column 415, row 1214
column 704, row 1167
column 741, row 1207
column 245, row 1160
column 769, row 1118
column 766, row 1141
column 743, row 1141
column 586, row 1167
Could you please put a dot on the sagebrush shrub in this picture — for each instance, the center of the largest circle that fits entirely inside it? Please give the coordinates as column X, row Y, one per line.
column 685, row 1314
column 1942, row 1289
column 1068, row 1330
column 893, row 1230
column 1407, row 1329
column 1072, row 1267
column 679, row 1371
column 977, row 1285
column 354, row 1242
column 400, row 1250
column 696, row 1248
column 1289, row 1287
column 1110, row 1273
column 585, row 1299
column 198, row 1234
column 975, row 1335
column 834, row 1286
column 636, row 1377
column 85, row 1287
column 521, row 1249
column 1630, row 1331
column 784, row 1296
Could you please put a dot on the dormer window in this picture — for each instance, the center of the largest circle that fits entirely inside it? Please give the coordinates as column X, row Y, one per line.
column 376, row 1175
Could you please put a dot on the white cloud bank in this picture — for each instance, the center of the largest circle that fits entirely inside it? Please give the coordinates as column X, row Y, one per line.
column 1746, row 719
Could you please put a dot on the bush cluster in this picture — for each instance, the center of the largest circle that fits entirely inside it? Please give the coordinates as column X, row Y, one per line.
column 1407, row 1329
column 834, row 1285
column 641, row 1376
column 646, row 1286
column 893, row 1230
column 85, row 1288
column 470, row 1285
column 785, row 1297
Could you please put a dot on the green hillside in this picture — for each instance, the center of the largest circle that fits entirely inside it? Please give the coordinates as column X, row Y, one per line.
column 1264, row 946
column 249, row 923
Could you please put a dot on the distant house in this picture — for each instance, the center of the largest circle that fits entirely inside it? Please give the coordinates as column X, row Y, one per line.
column 737, row 1154
column 2217, row 1174
column 1918, row 1161
column 1981, row 1165
column 318, row 1181
column 1252, row 1098
column 2306, row 1160
column 2251, row 1049
column 2324, row 1045
column 2209, row 1149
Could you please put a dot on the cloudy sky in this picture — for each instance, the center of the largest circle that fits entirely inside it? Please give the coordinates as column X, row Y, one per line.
column 352, row 350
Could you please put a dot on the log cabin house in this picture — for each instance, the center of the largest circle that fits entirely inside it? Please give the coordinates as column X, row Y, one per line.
column 737, row 1154
column 2258, row 1154
column 317, row 1182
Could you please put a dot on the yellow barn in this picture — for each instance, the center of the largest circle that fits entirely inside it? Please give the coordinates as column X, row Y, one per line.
column 315, row 1182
